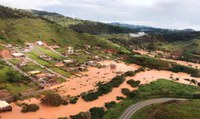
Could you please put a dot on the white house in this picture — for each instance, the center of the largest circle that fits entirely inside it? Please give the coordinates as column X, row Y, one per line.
column 68, row 61
column 70, row 50
column 18, row 54
column 4, row 106
column 40, row 43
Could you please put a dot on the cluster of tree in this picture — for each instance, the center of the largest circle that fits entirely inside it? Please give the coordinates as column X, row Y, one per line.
column 154, row 63
column 30, row 108
column 133, row 83
column 189, row 70
column 53, row 100
column 14, row 77
column 128, row 93
column 73, row 100
column 104, row 88
column 196, row 96
column 110, row 104
column 97, row 28
column 133, row 73
column 6, row 12
column 81, row 115
column 94, row 113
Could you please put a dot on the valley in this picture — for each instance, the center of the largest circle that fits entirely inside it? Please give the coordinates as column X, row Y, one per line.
column 57, row 67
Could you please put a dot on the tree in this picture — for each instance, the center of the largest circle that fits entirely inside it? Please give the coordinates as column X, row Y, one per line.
column 30, row 108
column 53, row 100
column 97, row 112
column 81, row 115
column 13, row 77
column 110, row 104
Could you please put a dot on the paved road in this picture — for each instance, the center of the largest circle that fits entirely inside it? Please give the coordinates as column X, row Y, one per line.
column 135, row 107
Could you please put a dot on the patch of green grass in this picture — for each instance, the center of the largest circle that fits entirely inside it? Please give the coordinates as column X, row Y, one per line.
column 36, row 56
column 17, row 88
column 31, row 66
column 50, row 53
column 60, row 71
column 170, row 110
column 156, row 89
column 15, row 61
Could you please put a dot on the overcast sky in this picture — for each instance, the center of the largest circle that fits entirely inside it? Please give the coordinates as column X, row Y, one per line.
column 176, row 14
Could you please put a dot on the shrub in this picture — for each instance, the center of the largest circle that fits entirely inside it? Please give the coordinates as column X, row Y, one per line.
column 110, row 104
column 198, row 84
column 53, row 100
column 126, row 91
column 193, row 81
column 196, row 96
column 97, row 112
column 130, row 73
column 90, row 96
column 104, row 88
column 81, row 115
column 133, row 83
column 73, row 100
column 119, row 98
column 65, row 102
column 30, row 108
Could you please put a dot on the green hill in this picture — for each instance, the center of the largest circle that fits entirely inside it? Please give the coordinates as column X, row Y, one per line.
column 19, row 26
column 83, row 26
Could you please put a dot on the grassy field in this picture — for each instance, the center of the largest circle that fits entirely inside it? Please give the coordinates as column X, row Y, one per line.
column 31, row 66
column 36, row 56
column 156, row 89
column 170, row 110
column 20, row 86
column 15, row 61
column 50, row 53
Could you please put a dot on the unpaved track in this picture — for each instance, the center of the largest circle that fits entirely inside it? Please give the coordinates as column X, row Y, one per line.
column 135, row 107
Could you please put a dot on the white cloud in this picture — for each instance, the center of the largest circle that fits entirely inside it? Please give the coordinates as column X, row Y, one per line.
column 31, row 4
column 159, row 13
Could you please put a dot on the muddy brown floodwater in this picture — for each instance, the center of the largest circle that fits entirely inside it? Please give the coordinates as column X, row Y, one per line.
column 87, row 81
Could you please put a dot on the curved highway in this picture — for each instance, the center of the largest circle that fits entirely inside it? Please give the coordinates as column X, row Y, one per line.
column 135, row 107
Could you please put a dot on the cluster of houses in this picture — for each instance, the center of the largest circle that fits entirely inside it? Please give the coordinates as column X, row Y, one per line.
column 42, row 77
column 4, row 106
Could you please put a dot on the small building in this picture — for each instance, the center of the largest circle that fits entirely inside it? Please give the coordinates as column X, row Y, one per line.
column 40, row 43
column 68, row 61
column 4, row 106
column 34, row 72
column 9, row 46
column 91, row 63
column 46, row 58
column 88, row 47
column 18, row 55
column 70, row 50
column 59, row 64
column 27, row 50
column 41, row 75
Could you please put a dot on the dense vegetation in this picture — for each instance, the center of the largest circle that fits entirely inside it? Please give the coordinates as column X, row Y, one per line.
column 159, row 88
column 170, row 110
column 6, row 12
column 104, row 88
column 52, row 99
column 97, row 112
column 155, row 63
column 97, row 28
column 30, row 108
column 133, row 83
